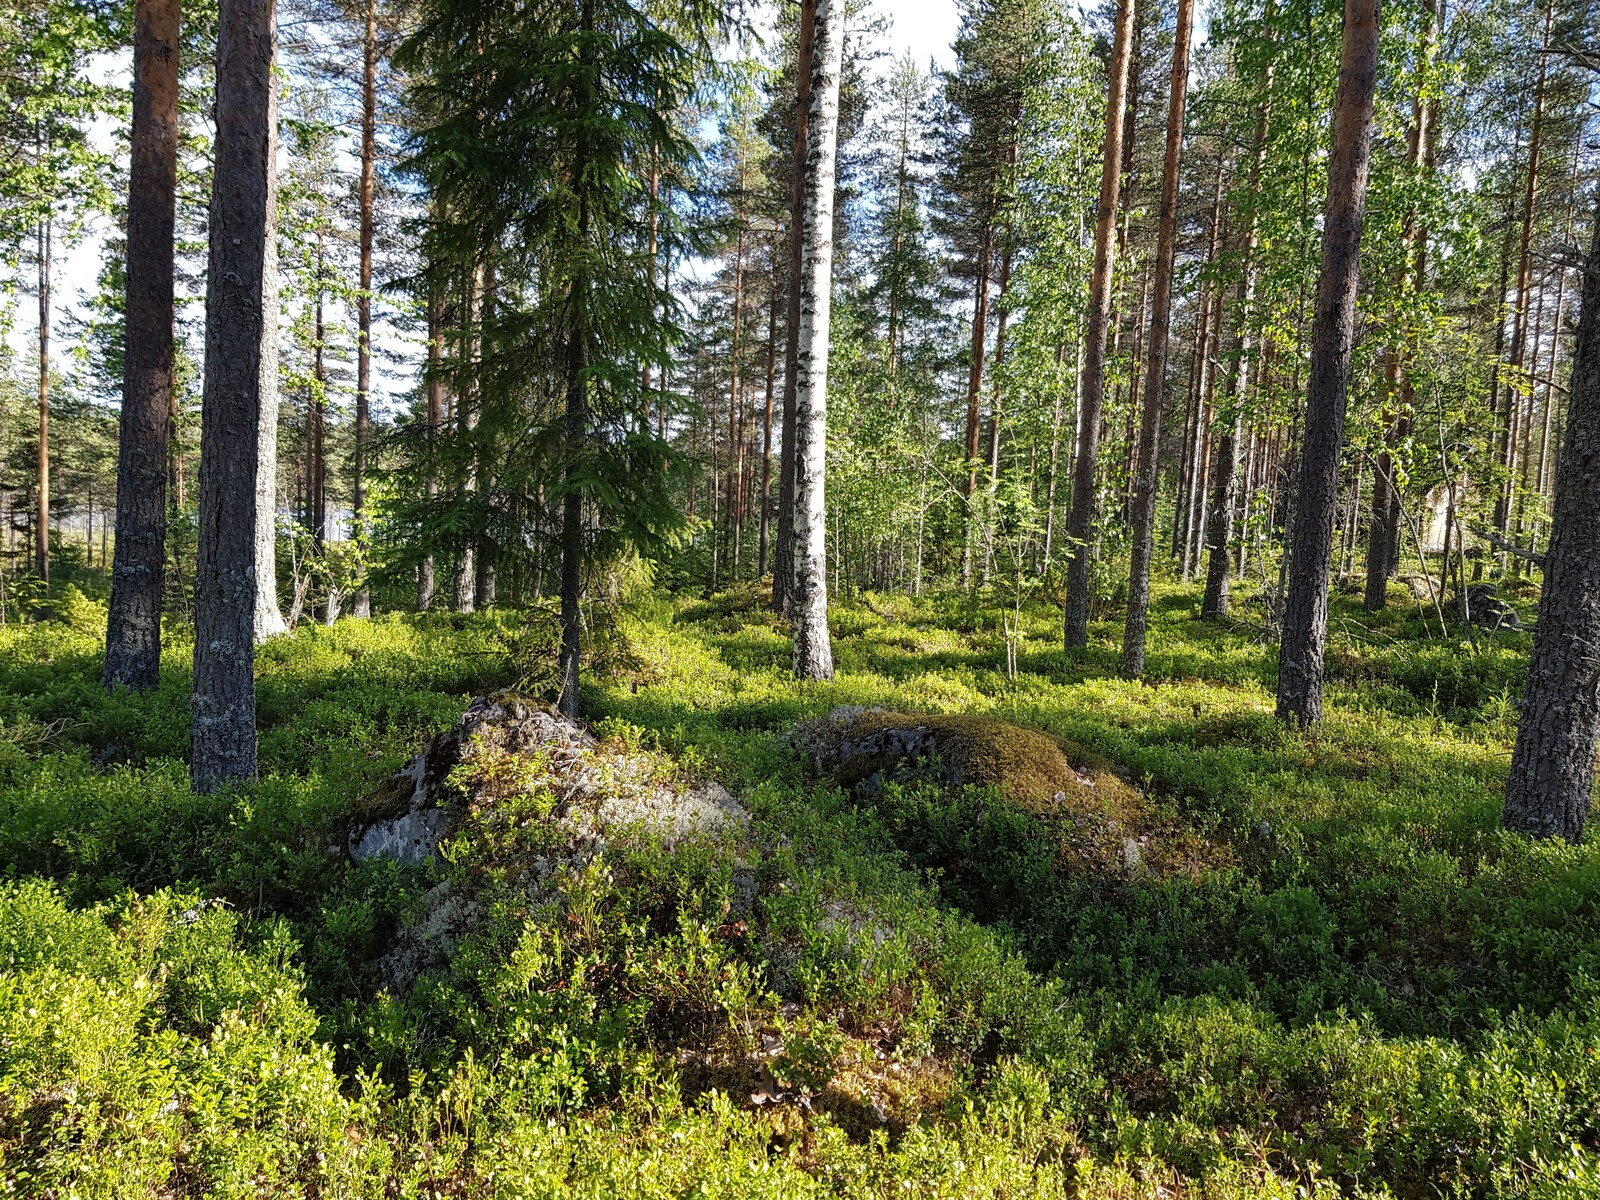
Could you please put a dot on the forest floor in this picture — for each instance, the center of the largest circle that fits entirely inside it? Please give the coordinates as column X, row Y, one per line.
column 1240, row 961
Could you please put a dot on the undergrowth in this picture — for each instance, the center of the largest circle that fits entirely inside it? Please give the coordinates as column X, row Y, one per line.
column 1326, row 971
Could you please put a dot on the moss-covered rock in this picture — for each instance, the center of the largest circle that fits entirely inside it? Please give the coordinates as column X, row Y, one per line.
column 861, row 748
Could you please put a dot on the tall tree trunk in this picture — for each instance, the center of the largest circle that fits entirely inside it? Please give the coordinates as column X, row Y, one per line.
column 269, row 622
column 784, row 564
column 763, row 551
column 1384, row 532
column 730, row 514
column 576, row 433
column 980, row 333
column 133, row 626
column 466, row 577
column 361, row 605
column 1542, row 475
column 41, row 545
column 813, row 651
column 317, row 420
column 1519, row 330
column 1144, row 498
column 572, row 525
column 1224, row 468
column 240, row 342
column 1305, row 619
column 434, row 388
column 1081, row 523
column 1553, row 765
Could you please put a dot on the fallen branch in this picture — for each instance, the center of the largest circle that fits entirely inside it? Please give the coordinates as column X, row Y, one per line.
column 1510, row 547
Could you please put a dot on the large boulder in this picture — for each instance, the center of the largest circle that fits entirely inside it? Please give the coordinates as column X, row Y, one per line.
column 408, row 815
column 545, row 792
column 595, row 786
column 862, row 748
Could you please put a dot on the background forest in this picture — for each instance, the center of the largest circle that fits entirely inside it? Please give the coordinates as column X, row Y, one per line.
column 1189, row 414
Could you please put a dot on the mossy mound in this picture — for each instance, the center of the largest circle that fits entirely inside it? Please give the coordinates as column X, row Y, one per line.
column 861, row 748
column 1090, row 814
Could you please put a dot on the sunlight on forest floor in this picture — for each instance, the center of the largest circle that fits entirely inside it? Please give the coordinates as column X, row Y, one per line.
column 1323, row 969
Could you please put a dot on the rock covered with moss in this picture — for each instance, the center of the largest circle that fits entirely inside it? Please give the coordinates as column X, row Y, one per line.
column 862, row 748
column 506, row 743
column 529, row 796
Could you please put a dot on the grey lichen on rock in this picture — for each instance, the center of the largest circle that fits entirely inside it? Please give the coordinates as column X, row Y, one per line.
column 409, row 814
column 505, row 749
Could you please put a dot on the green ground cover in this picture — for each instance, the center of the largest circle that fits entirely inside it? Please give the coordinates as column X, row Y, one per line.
column 1323, row 970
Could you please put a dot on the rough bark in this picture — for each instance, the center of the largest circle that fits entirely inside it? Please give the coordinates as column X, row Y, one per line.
column 1383, row 542
column 434, row 386
column 1081, row 522
column 1144, row 500
column 575, row 432
column 1224, row 468
column 1553, row 765
column 239, row 328
column 783, row 565
column 41, row 533
column 980, row 333
column 813, row 651
column 1305, row 619
column 133, row 627
column 361, row 606
column 765, row 544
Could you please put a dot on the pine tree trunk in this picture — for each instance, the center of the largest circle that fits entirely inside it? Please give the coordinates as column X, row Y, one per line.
column 41, row 545
column 980, row 333
column 1144, row 498
column 730, row 515
column 240, row 324
column 1081, row 522
column 813, row 651
column 361, row 605
column 133, row 627
column 765, row 545
column 784, row 561
column 434, row 388
column 1224, row 468
column 1519, row 335
column 1383, row 545
column 1553, row 765
column 1305, row 620
column 576, row 432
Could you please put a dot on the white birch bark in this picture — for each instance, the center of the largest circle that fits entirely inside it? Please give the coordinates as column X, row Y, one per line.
column 813, row 652
column 269, row 622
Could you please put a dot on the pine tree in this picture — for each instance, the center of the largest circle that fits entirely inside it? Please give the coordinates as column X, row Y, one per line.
column 1553, row 765
column 241, row 355
column 1085, row 500
column 1144, row 508
column 1305, row 622
column 133, row 632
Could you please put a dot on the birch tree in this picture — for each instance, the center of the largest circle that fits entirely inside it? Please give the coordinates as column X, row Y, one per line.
column 813, row 652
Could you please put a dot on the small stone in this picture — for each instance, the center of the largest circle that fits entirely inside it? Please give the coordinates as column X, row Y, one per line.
column 1132, row 856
